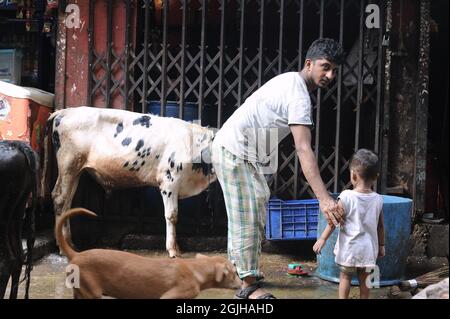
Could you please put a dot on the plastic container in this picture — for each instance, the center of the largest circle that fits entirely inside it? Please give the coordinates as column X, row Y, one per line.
column 173, row 109
column 23, row 114
column 397, row 227
column 292, row 220
column 10, row 66
column 209, row 113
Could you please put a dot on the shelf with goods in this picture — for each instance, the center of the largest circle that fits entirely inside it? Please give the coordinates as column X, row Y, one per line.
column 10, row 5
column 30, row 29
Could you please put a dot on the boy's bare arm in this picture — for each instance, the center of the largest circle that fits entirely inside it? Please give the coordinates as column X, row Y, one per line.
column 317, row 248
column 330, row 228
column 327, row 232
column 321, row 241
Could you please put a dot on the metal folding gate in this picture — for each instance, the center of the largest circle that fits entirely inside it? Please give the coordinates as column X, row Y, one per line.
column 211, row 55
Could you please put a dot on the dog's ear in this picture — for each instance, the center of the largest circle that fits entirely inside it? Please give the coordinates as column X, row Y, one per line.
column 221, row 271
column 200, row 256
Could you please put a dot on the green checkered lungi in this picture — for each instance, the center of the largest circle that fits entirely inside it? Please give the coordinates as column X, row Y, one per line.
column 246, row 194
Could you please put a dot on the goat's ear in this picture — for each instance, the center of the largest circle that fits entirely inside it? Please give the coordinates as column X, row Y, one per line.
column 221, row 271
column 200, row 256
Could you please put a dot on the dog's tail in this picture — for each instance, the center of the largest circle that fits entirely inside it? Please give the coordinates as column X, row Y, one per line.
column 63, row 244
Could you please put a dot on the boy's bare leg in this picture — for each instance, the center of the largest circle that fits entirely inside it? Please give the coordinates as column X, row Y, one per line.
column 364, row 291
column 344, row 285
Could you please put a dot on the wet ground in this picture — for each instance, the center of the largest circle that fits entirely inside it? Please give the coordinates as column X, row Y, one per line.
column 48, row 279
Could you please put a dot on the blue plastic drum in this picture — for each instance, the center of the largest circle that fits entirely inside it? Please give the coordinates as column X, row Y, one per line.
column 397, row 227
column 209, row 112
column 173, row 109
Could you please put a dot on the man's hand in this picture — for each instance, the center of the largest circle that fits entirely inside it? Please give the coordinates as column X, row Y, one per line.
column 319, row 245
column 381, row 251
column 333, row 212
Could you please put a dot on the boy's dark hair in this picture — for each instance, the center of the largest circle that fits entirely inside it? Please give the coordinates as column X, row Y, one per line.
column 326, row 49
column 365, row 163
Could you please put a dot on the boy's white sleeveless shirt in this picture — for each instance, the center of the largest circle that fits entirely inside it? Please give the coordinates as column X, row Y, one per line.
column 357, row 243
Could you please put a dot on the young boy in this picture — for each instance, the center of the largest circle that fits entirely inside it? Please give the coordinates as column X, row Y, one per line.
column 361, row 238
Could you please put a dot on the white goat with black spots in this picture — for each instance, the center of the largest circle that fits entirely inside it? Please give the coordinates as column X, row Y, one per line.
column 123, row 149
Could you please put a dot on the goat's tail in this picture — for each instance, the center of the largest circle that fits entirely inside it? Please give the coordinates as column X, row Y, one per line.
column 47, row 136
column 63, row 244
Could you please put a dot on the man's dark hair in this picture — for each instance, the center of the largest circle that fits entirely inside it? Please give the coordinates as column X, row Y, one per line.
column 326, row 49
column 365, row 163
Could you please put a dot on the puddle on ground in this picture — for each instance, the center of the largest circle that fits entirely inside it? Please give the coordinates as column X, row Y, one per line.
column 48, row 279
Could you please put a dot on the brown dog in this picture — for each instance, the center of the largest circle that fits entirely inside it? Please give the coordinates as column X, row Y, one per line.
column 121, row 274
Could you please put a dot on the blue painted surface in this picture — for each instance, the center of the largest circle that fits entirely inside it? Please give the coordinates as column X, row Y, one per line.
column 397, row 227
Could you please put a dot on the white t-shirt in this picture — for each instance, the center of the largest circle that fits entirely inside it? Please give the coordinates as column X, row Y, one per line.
column 282, row 101
column 357, row 242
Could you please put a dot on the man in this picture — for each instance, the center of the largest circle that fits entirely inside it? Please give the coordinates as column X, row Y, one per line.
column 282, row 104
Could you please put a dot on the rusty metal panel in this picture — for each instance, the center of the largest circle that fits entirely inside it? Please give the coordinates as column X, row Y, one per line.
column 110, row 46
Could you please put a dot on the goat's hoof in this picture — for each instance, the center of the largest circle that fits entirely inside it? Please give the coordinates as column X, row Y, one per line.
column 174, row 254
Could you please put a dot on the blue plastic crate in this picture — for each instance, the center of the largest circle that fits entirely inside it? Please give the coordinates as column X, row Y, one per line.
column 292, row 220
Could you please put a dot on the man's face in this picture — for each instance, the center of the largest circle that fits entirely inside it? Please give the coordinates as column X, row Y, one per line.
column 321, row 72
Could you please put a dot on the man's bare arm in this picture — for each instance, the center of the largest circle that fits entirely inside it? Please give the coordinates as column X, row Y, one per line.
column 302, row 139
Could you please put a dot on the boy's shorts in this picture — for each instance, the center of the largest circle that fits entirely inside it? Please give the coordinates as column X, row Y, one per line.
column 347, row 270
column 351, row 270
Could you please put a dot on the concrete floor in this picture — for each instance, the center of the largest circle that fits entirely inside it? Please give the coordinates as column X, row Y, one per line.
column 48, row 279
